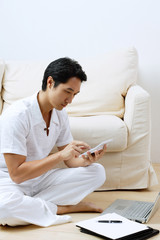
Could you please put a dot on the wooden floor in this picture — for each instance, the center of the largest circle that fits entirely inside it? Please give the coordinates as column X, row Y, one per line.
column 69, row 231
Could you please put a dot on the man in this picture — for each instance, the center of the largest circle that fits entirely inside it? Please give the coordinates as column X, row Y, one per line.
column 32, row 190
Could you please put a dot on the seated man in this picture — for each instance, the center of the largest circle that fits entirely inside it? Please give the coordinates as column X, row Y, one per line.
column 32, row 189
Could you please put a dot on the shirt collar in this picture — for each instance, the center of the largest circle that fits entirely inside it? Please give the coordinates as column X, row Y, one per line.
column 54, row 117
column 36, row 112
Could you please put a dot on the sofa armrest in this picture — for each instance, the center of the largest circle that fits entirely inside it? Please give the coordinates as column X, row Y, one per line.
column 137, row 115
column 137, row 118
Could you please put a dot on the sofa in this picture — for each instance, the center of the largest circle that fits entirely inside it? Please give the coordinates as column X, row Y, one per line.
column 110, row 105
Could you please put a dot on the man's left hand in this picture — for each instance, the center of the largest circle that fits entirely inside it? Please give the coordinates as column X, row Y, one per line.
column 93, row 157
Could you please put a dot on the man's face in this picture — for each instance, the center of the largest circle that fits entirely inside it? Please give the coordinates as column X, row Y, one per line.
column 64, row 93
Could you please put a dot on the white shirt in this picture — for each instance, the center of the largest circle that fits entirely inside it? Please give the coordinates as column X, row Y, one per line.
column 22, row 131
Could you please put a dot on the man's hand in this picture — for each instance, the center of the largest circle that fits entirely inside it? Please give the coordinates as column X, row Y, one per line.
column 93, row 157
column 73, row 150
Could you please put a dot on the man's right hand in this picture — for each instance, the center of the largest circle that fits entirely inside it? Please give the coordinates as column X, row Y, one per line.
column 73, row 150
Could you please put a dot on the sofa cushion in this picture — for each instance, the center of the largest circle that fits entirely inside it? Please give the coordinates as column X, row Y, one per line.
column 22, row 79
column 95, row 129
column 109, row 77
column 2, row 66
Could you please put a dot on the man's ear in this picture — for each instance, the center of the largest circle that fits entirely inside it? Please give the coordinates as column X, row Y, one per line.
column 50, row 82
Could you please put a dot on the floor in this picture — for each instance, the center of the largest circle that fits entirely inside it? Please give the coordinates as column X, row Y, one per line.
column 69, row 231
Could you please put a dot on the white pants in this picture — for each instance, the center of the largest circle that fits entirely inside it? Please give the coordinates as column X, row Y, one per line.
column 35, row 201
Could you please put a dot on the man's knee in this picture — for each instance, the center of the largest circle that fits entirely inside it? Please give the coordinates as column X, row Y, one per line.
column 100, row 173
column 4, row 215
column 8, row 203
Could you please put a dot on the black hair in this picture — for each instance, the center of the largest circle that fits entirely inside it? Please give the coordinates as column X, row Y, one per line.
column 61, row 70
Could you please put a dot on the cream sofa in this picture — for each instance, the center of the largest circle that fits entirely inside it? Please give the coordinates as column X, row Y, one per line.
column 110, row 105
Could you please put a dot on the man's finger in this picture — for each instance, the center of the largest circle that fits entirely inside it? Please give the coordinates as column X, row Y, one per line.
column 81, row 144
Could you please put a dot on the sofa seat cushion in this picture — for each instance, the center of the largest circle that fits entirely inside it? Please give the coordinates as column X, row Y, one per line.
column 96, row 129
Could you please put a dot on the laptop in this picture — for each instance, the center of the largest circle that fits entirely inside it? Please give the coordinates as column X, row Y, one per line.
column 138, row 211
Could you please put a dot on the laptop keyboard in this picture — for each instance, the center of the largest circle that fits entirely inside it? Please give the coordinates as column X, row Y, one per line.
column 138, row 209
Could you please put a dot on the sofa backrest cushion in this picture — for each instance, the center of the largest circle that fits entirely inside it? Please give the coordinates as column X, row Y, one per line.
column 109, row 78
column 21, row 79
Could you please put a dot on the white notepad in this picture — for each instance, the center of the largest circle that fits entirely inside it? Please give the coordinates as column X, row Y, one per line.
column 112, row 230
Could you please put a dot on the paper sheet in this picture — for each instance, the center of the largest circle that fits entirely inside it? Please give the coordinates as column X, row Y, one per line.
column 112, row 230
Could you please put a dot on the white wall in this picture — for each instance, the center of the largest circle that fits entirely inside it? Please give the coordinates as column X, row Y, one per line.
column 42, row 29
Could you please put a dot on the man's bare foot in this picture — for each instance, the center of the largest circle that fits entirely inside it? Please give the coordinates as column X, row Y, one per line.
column 80, row 207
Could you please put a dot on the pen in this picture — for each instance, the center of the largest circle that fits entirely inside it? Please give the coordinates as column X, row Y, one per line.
column 109, row 221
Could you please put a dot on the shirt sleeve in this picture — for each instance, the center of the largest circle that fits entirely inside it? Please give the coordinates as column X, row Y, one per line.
column 13, row 135
column 65, row 136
